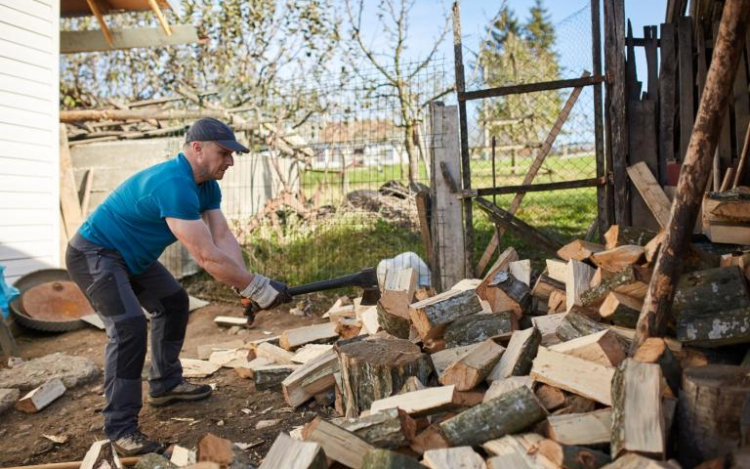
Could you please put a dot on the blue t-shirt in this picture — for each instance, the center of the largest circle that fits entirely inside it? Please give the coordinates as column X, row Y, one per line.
column 132, row 219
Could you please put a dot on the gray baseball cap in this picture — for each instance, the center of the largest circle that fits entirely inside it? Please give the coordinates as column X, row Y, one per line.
column 209, row 129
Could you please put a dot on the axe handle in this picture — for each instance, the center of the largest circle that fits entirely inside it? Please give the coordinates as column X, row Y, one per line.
column 352, row 280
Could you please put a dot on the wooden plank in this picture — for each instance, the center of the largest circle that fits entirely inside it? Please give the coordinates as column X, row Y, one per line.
column 293, row 338
column 643, row 146
column 685, row 77
column 667, row 82
column 590, row 428
column 582, row 377
column 71, row 209
column 447, row 212
column 651, row 191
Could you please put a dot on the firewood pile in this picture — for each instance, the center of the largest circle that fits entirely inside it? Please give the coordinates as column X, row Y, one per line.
column 503, row 372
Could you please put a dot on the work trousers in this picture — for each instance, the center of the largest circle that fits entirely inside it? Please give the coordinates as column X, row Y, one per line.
column 118, row 296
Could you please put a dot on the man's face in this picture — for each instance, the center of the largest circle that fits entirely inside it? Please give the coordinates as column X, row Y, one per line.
column 216, row 159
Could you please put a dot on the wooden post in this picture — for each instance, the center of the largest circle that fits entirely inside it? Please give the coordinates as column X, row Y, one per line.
column 448, row 242
column 695, row 171
column 603, row 193
column 614, row 51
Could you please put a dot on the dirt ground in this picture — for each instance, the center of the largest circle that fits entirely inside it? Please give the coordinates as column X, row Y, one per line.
column 232, row 412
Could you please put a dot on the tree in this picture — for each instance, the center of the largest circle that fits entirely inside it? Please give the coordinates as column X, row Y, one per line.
column 517, row 53
column 397, row 76
column 253, row 48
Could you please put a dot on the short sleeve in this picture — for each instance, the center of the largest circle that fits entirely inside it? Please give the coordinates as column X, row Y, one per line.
column 210, row 196
column 174, row 201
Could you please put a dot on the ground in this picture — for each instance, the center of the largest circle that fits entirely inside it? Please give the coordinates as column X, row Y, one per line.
column 232, row 412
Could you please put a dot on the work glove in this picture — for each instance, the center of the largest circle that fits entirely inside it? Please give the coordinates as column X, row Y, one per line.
column 263, row 293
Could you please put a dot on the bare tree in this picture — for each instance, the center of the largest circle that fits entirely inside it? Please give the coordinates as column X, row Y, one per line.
column 399, row 77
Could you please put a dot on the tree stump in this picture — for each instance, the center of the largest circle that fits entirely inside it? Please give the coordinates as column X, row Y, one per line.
column 377, row 368
column 713, row 412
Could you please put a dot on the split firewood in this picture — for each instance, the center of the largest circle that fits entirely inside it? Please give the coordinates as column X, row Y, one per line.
column 419, row 403
column 476, row 328
column 637, row 418
column 429, row 438
column 576, row 325
column 386, row 459
column 655, row 350
column 312, row 378
column 347, row 328
column 550, row 397
column 231, row 358
column 509, row 413
column 205, row 351
column 306, row 353
column 627, row 335
column 575, row 404
column 618, row 235
column 600, row 276
column 516, row 452
column 41, row 397
column 294, row 338
column 182, row 456
column 340, row 445
column 450, row 458
column 557, row 302
column 504, row 385
column 229, row 321
column 581, row 429
column 370, row 321
column 442, row 359
column 392, row 428
column 376, row 368
column 579, row 250
column 636, row 461
column 274, row 353
column 288, row 452
column 652, row 247
column 471, row 369
column 631, row 281
column 712, row 307
column 621, row 310
column 271, row 376
column 404, row 280
column 556, row 270
column 101, row 455
column 412, row 384
column 211, row 448
column 504, row 292
column 574, row 374
column 521, row 270
column 567, row 456
column 545, row 285
column 577, row 279
column 246, row 370
column 342, row 312
column 601, row 347
column 712, row 412
column 517, row 359
column 547, row 326
column 339, row 406
column 393, row 313
column 431, row 316
column 615, row 260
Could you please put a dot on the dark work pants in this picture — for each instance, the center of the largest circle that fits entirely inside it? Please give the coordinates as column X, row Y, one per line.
column 118, row 296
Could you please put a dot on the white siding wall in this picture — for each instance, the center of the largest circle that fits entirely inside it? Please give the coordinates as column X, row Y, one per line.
column 29, row 136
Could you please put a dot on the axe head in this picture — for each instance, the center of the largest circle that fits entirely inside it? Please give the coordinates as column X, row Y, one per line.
column 368, row 280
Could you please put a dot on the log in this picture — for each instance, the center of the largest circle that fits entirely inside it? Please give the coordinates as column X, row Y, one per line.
column 521, row 270
column 577, row 279
column 637, row 418
column 695, row 169
column 556, row 270
column 348, row 328
column 516, row 452
column 572, row 457
column 575, row 404
column 550, row 397
column 271, row 376
column 412, row 384
column 712, row 307
column 617, row 259
column 392, row 428
column 393, row 314
column 501, row 386
column 517, row 359
column 430, row 316
column 41, row 397
column 545, row 285
column 385, row 459
column 312, row 378
column 557, row 302
column 472, row 368
column 576, row 325
column 294, row 454
column 450, row 458
column 588, row 379
column 599, row 276
column 601, row 347
column 444, row 358
column 370, row 321
column 579, row 250
column 309, row 352
column 317, row 333
column 547, row 326
column 655, row 350
column 430, row 438
column 509, row 413
column 620, row 310
column 619, row 235
column 274, row 353
column 476, row 328
column 632, row 281
column 506, row 293
column 712, row 414
column 378, row 367
column 584, row 429
column 339, row 444
column 418, row 403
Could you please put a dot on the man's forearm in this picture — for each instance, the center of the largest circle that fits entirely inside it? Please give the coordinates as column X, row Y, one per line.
column 225, row 269
column 228, row 245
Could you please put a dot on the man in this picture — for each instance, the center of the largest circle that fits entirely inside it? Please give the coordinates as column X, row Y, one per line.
column 113, row 259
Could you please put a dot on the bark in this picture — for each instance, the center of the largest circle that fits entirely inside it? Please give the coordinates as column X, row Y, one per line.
column 477, row 328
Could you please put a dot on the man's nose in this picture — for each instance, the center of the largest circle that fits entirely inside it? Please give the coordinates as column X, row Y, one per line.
column 231, row 160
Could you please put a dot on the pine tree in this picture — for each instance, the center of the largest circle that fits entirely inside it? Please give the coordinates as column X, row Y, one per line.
column 539, row 31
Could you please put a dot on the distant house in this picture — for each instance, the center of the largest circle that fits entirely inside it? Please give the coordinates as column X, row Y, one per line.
column 375, row 142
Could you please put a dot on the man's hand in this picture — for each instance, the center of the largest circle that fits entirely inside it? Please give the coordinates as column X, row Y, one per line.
column 266, row 293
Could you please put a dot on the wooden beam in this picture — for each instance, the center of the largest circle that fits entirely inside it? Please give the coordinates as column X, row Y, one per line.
column 515, row 224
column 73, row 42
column 160, row 16
column 94, row 6
column 695, row 171
column 656, row 200
column 586, row 80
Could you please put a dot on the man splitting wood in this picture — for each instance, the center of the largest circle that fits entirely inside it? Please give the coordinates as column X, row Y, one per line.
column 113, row 259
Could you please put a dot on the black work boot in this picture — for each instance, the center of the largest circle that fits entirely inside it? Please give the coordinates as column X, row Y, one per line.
column 136, row 443
column 185, row 391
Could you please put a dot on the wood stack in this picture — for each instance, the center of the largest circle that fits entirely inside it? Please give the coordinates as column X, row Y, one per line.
column 488, row 374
